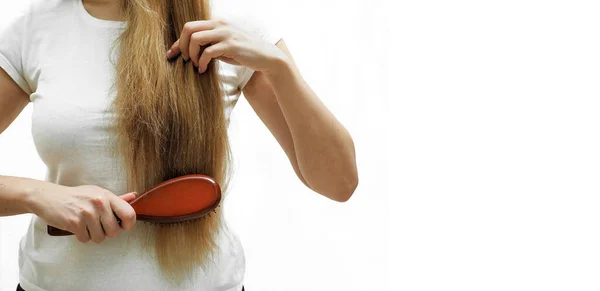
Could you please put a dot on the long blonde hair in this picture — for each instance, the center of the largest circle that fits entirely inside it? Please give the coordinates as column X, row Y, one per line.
column 169, row 122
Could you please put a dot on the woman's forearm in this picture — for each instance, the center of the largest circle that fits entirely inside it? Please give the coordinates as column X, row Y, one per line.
column 14, row 194
column 324, row 148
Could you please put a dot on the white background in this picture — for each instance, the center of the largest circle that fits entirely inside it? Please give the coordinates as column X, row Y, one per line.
column 292, row 237
column 499, row 145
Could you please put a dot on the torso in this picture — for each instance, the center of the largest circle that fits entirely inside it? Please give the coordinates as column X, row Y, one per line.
column 68, row 66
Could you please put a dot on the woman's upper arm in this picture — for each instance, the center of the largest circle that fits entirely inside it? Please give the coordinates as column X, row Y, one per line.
column 15, row 86
column 12, row 100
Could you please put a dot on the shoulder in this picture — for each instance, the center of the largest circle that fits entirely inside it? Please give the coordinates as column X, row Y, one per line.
column 45, row 6
column 31, row 18
column 38, row 8
column 34, row 13
column 46, row 11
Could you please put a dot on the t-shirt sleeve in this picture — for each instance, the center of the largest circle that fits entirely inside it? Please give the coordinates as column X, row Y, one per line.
column 12, row 39
column 268, row 33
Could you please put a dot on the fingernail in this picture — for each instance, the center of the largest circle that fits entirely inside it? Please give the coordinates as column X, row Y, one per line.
column 199, row 70
column 169, row 54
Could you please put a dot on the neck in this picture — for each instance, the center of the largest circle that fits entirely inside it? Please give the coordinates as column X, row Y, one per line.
column 105, row 9
column 105, row 2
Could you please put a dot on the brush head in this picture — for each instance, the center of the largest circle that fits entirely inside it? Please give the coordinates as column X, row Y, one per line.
column 179, row 199
column 176, row 200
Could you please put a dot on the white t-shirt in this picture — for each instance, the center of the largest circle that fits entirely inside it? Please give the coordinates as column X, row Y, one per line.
column 59, row 54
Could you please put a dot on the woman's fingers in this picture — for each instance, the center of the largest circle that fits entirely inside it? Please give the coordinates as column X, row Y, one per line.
column 174, row 50
column 124, row 211
column 109, row 223
column 98, row 222
column 202, row 38
column 187, row 31
column 211, row 52
column 94, row 227
column 82, row 233
column 129, row 196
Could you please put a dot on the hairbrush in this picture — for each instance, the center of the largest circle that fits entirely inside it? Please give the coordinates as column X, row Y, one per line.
column 176, row 200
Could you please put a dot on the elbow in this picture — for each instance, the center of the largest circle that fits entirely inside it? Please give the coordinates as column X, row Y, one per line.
column 347, row 189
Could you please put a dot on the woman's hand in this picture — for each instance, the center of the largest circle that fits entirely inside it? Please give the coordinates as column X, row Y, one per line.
column 86, row 211
column 225, row 41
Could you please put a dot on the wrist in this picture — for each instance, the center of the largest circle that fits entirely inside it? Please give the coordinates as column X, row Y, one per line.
column 32, row 195
column 27, row 199
column 280, row 71
column 277, row 65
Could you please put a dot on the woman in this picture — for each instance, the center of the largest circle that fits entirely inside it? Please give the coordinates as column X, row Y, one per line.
column 110, row 125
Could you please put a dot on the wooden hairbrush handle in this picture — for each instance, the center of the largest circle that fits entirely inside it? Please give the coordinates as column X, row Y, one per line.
column 53, row 231
column 179, row 199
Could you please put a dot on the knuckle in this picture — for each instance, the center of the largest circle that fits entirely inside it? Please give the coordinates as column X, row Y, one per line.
column 227, row 31
column 233, row 44
column 235, row 37
column 111, row 229
column 209, row 50
column 187, row 27
column 87, row 213
column 129, row 215
column 73, row 222
column 99, row 201
column 222, row 21
column 82, row 239
column 112, row 232
column 196, row 37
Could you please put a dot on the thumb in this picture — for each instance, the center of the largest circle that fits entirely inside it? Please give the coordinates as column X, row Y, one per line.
column 129, row 196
